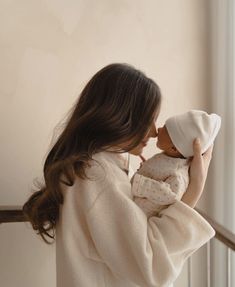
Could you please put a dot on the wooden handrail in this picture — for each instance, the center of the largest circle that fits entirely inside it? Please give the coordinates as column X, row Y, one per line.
column 222, row 234
column 15, row 214
column 12, row 214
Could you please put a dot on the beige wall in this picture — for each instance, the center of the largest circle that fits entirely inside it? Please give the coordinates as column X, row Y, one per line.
column 48, row 50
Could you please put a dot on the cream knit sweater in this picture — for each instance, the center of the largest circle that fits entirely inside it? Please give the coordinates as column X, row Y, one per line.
column 103, row 239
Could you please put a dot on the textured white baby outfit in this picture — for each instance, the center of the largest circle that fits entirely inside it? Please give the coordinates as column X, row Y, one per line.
column 169, row 180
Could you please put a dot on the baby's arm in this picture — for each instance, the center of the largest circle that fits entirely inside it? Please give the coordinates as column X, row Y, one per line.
column 160, row 192
column 178, row 183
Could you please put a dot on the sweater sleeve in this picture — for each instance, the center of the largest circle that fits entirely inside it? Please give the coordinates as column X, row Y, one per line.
column 148, row 252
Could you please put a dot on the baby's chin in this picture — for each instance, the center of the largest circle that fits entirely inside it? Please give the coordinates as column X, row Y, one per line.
column 158, row 145
column 173, row 154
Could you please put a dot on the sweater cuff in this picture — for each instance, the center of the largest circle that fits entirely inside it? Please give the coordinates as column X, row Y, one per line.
column 185, row 212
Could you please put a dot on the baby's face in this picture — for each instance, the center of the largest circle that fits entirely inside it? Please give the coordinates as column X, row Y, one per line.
column 164, row 142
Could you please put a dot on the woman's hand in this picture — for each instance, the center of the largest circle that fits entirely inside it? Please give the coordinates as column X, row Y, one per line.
column 197, row 174
column 199, row 165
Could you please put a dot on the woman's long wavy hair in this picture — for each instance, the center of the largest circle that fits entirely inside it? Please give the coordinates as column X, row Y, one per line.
column 117, row 105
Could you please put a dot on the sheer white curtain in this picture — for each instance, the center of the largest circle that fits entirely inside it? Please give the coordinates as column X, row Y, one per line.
column 222, row 174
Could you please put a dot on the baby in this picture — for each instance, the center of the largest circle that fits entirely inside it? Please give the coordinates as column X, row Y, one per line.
column 164, row 178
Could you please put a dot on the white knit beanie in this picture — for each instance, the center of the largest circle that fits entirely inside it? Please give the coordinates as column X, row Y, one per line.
column 183, row 129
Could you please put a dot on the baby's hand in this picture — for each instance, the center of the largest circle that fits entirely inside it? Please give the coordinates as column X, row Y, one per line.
column 143, row 160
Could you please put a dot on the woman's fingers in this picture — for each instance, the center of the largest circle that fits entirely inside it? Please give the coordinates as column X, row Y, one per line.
column 207, row 157
column 197, row 148
column 196, row 169
column 208, row 152
column 198, row 152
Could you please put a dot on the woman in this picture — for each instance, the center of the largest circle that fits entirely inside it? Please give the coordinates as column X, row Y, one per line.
column 102, row 237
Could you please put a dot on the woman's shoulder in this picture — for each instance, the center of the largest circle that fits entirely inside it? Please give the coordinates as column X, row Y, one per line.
column 103, row 174
column 101, row 168
column 104, row 158
column 105, row 164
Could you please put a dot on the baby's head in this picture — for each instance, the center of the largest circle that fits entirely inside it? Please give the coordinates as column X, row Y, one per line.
column 176, row 137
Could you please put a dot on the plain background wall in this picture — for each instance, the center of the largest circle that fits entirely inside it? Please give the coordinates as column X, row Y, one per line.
column 48, row 51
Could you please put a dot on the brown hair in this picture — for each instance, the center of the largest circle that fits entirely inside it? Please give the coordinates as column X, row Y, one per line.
column 118, row 104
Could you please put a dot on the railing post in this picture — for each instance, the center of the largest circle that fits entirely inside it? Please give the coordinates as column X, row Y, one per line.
column 208, row 265
column 228, row 267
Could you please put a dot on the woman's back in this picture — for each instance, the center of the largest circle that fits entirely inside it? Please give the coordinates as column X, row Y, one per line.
column 77, row 260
